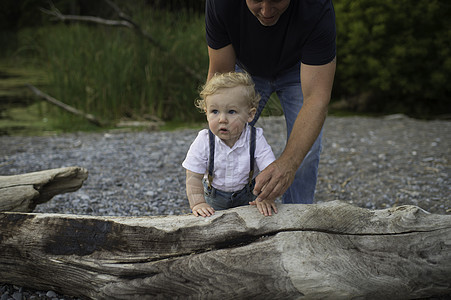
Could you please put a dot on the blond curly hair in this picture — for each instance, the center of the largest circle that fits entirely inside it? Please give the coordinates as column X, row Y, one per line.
column 229, row 80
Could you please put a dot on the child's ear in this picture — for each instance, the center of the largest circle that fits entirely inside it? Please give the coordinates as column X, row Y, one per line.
column 252, row 112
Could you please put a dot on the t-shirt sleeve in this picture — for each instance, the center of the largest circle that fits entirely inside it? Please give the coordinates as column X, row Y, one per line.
column 216, row 33
column 263, row 152
column 197, row 157
column 320, row 48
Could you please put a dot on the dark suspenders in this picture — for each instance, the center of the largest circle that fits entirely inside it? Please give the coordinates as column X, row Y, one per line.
column 211, row 162
column 252, row 155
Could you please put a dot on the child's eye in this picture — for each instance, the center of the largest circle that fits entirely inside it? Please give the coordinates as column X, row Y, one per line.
column 232, row 111
column 214, row 111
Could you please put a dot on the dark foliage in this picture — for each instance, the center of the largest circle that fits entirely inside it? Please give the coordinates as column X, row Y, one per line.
column 394, row 56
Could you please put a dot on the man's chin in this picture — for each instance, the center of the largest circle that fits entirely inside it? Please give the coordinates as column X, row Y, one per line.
column 268, row 22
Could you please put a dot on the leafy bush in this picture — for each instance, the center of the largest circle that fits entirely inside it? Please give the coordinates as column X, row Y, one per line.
column 394, row 56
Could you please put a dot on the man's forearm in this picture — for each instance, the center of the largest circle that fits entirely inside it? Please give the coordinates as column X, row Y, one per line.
column 317, row 84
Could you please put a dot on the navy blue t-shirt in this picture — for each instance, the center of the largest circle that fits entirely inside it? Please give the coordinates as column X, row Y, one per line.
column 305, row 32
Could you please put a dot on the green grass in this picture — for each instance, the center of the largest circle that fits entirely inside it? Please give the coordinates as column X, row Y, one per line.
column 19, row 114
column 23, row 113
column 13, row 78
column 26, row 120
column 114, row 73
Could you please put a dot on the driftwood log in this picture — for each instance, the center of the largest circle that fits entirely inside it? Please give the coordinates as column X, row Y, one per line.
column 322, row 251
column 21, row 193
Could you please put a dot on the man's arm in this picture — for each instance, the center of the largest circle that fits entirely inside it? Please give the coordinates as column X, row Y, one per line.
column 221, row 60
column 317, row 82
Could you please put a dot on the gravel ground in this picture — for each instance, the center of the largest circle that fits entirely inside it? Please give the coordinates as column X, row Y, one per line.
column 374, row 163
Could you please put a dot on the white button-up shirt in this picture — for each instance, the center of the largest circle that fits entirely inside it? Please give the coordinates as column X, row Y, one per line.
column 231, row 165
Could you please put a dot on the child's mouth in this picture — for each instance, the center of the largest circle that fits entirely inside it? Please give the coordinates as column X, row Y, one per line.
column 223, row 130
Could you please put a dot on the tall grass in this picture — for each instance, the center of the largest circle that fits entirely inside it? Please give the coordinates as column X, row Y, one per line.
column 114, row 73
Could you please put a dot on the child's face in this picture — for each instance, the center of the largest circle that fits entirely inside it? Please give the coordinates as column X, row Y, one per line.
column 227, row 114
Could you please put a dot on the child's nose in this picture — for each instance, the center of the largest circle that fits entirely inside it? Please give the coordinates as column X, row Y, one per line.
column 222, row 118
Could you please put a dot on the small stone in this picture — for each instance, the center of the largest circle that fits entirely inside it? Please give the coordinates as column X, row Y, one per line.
column 17, row 296
column 51, row 294
column 5, row 296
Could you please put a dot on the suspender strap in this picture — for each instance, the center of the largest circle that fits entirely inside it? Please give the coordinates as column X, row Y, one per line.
column 211, row 162
column 252, row 154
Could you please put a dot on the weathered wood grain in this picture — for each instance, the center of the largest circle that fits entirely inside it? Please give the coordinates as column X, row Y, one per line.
column 21, row 193
column 324, row 251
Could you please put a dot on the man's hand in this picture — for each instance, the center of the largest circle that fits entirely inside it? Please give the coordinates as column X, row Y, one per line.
column 274, row 180
column 203, row 209
column 265, row 207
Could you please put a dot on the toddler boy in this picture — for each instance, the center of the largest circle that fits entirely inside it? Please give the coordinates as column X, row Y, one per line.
column 231, row 152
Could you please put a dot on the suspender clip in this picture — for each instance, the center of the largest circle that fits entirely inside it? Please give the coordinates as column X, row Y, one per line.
column 251, row 176
column 210, row 180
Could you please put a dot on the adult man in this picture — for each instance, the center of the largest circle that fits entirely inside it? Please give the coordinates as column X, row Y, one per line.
column 284, row 45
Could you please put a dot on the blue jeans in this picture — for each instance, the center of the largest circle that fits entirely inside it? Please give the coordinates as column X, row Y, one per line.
column 220, row 200
column 287, row 86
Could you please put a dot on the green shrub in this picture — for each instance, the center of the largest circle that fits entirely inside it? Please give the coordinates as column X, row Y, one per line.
column 394, row 56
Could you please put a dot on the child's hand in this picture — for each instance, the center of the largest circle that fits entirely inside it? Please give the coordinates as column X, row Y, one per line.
column 203, row 209
column 265, row 206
